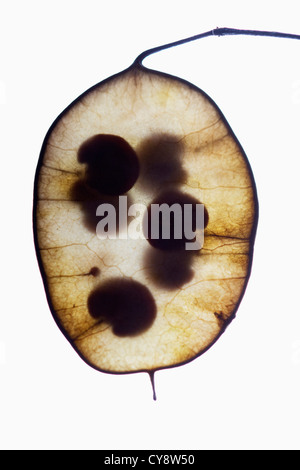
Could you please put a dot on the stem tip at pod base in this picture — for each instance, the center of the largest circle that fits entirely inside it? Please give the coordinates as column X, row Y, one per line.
column 151, row 375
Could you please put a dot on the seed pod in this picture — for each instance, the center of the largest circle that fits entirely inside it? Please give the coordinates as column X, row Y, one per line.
column 129, row 303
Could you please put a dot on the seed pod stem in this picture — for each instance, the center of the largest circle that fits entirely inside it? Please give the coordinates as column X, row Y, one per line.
column 151, row 375
column 215, row 32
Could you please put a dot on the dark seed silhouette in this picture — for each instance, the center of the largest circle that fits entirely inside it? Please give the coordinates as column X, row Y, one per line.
column 126, row 305
column 172, row 214
column 112, row 166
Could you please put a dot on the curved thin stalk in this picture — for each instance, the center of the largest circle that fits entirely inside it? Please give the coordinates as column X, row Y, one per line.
column 215, row 32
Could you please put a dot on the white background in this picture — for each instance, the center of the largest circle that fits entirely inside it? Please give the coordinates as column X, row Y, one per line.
column 244, row 392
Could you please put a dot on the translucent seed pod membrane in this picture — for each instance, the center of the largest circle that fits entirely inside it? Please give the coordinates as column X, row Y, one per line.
column 130, row 302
